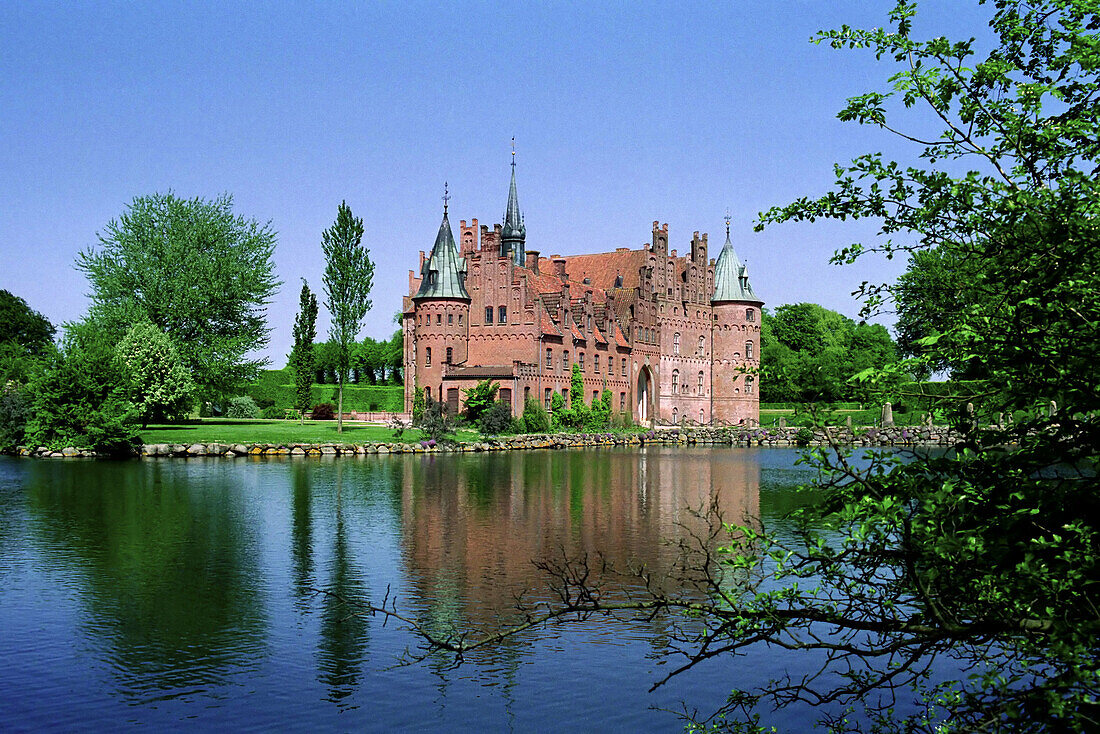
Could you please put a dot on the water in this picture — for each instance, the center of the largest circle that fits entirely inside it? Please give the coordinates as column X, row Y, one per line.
column 192, row 593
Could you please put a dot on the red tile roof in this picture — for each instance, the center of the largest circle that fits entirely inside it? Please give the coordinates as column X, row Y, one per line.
column 549, row 327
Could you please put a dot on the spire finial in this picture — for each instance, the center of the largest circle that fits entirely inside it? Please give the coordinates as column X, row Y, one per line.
column 513, row 151
column 446, row 198
column 727, row 225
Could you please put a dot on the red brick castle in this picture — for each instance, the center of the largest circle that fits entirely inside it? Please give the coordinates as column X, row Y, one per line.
column 673, row 337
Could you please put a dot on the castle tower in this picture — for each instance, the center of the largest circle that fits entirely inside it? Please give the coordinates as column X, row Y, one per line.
column 441, row 313
column 735, row 339
column 513, row 234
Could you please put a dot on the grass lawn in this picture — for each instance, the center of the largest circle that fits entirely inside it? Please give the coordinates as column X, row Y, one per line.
column 239, row 430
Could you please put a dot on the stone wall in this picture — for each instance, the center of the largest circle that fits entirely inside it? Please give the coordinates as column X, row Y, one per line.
column 859, row 437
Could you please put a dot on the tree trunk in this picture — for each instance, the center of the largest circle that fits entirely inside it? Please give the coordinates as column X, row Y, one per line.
column 340, row 406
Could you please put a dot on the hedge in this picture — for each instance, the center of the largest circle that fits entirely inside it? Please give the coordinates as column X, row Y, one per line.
column 361, row 398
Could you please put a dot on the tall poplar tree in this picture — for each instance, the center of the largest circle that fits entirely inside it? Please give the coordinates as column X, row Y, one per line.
column 349, row 275
column 301, row 358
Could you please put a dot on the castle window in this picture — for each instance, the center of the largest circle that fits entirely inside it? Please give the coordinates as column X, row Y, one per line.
column 450, row 319
column 622, row 401
column 565, row 395
column 580, row 358
column 450, row 354
column 549, row 393
column 502, row 314
column 460, row 319
column 565, row 360
column 675, row 381
column 596, row 363
column 549, row 358
column 676, row 343
column 702, row 345
column 748, row 385
column 675, row 415
column 640, row 333
column 427, row 356
column 624, row 366
column 750, row 315
column 438, row 318
column 488, row 314
column 748, row 350
column 526, row 393
column 700, row 382
column 595, row 396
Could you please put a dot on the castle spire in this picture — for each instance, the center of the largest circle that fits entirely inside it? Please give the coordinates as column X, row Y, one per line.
column 514, row 233
column 443, row 274
column 731, row 277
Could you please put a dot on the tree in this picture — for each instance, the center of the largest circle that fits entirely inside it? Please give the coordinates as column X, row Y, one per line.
column 153, row 377
column 932, row 295
column 22, row 325
column 301, row 356
column 951, row 592
column 25, row 336
column 349, row 274
column 811, row 353
column 202, row 274
column 479, row 399
column 79, row 400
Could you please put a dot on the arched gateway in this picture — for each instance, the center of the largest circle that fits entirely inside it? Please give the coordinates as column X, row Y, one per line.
column 645, row 393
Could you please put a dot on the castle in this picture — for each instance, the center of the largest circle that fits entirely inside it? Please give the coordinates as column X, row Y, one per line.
column 673, row 337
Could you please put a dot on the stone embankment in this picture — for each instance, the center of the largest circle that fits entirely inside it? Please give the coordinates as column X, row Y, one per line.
column 786, row 436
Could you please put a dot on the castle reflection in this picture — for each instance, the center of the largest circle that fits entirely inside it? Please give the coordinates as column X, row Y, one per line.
column 473, row 525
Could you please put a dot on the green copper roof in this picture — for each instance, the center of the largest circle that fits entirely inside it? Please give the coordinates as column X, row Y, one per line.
column 731, row 278
column 444, row 272
column 513, row 233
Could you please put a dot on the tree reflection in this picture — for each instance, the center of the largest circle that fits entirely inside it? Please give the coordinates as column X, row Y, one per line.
column 166, row 565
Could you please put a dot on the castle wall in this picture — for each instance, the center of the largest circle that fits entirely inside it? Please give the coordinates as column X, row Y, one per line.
column 625, row 317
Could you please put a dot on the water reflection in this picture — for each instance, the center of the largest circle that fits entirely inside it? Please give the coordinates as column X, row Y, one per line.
column 193, row 583
column 164, row 560
column 474, row 524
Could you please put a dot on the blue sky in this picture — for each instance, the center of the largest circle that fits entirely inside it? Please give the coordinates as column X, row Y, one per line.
column 623, row 113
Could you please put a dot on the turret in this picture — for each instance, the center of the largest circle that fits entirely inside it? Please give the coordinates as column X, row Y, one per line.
column 441, row 315
column 735, row 339
column 513, row 234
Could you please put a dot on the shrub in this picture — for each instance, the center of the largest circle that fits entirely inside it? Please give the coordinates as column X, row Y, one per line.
column 803, row 436
column 435, row 422
column 13, row 416
column 535, row 418
column 242, row 406
column 324, row 412
column 479, row 399
column 270, row 412
column 497, row 418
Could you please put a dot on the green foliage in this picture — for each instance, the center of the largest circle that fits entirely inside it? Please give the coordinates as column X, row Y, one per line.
column 803, row 436
column 22, row 325
column 14, row 410
column 578, row 414
column 200, row 273
column 275, row 387
column 988, row 556
column 599, row 414
column 479, row 399
column 272, row 413
column 496, row 419
column 418, row 405
column 78, row 398
column 154, row 379
column 301, row 359
column 535, row 417
column 349, row 275
column 809, row 353
column 242, row 406
column 436, row 422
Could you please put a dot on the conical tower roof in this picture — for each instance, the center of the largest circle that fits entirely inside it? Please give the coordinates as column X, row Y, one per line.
column 443, row 273
column 731, row 277
column 514, row 233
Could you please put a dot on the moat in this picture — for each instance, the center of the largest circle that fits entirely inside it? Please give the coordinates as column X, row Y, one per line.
column 184, row 594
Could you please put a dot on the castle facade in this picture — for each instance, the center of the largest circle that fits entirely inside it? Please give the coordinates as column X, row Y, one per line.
column 675, row 338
